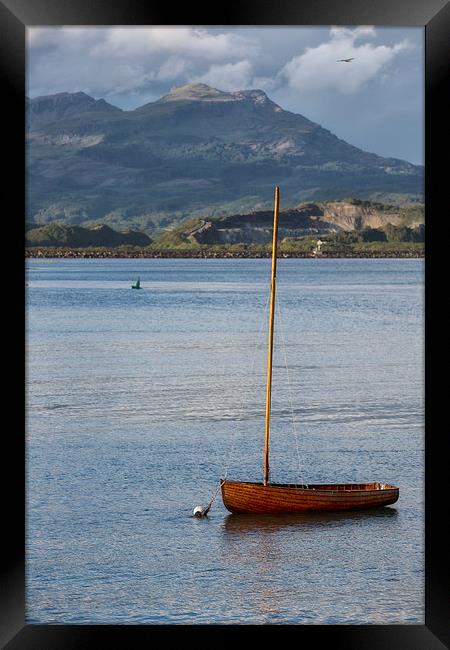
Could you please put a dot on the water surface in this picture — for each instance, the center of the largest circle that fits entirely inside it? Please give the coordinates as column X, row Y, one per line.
column 139, row 401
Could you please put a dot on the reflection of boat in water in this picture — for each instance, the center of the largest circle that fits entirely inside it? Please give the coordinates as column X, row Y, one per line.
column 255, row 523
column 270, row 498
column 137, row 285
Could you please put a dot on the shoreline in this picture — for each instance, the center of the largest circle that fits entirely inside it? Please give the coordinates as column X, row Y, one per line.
column 80, row 253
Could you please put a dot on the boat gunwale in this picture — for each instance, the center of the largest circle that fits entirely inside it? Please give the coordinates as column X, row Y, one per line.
column 334, row 488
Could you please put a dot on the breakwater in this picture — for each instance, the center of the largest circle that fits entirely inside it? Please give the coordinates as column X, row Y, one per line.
column 108, row 253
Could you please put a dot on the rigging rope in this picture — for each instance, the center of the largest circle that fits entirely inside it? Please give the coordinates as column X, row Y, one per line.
column 289, row 383
column 246, row 393
column 202, row 512
column 199, row 511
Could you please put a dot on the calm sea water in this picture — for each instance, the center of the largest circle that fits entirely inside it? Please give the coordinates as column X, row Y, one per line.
column 139, row 401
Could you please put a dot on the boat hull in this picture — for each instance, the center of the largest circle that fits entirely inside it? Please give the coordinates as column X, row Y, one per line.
column 257, row 498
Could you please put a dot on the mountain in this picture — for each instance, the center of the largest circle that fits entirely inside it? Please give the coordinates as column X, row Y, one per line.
column 196, row 152
column 51, row 108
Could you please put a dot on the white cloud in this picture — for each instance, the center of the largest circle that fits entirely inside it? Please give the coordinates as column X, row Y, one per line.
column 142, row 41
column 173, row 68
column 229, row 76
column 181, row 41
column 318, row 69
column 354, row 33
column 115, row 61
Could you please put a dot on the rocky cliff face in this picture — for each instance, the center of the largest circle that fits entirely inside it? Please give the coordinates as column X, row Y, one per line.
column 197, row 151
column 350, row 216
column 313, row 219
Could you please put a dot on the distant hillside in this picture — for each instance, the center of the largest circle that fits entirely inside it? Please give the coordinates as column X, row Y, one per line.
column 309, row 219
column 57, row 234
column 348, row 220
column 196, row 152
column 52, row 108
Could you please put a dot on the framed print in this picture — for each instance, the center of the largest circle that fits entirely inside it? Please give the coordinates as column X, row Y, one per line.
column 124, row 517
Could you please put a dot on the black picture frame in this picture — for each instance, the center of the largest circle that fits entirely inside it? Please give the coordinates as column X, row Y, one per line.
column 434, row 16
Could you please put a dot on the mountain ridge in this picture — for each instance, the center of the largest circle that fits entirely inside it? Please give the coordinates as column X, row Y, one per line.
column 195, row 151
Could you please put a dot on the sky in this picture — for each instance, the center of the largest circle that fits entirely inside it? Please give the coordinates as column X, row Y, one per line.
column 375, row 102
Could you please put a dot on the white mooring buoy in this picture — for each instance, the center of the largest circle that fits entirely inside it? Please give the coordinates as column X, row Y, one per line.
column 200, row 512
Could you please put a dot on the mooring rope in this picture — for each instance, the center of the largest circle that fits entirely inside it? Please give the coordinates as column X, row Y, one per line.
column 208, row 507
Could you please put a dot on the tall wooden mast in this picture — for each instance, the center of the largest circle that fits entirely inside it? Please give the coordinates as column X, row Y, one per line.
column 271, row 323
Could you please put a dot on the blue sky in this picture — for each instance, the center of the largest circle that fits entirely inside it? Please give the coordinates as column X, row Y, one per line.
column 375, row 102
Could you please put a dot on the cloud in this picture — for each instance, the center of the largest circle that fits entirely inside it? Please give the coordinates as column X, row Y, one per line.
column 42, row 40
column 121, row 61
column 317, row 69
column 354, row 33
column 173, row 68
column 139, row 42
column 229, row 76
column 186, row 41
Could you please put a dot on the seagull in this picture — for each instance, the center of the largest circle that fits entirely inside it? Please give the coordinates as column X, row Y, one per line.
column 345, row 60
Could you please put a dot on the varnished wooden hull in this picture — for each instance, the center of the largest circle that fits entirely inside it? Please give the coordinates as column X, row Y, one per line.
column 241, row 497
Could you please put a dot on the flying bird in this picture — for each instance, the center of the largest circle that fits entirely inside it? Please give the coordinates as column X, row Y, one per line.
column 346, row 60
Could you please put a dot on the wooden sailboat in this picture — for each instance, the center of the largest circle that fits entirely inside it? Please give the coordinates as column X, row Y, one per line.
column 270, row 498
